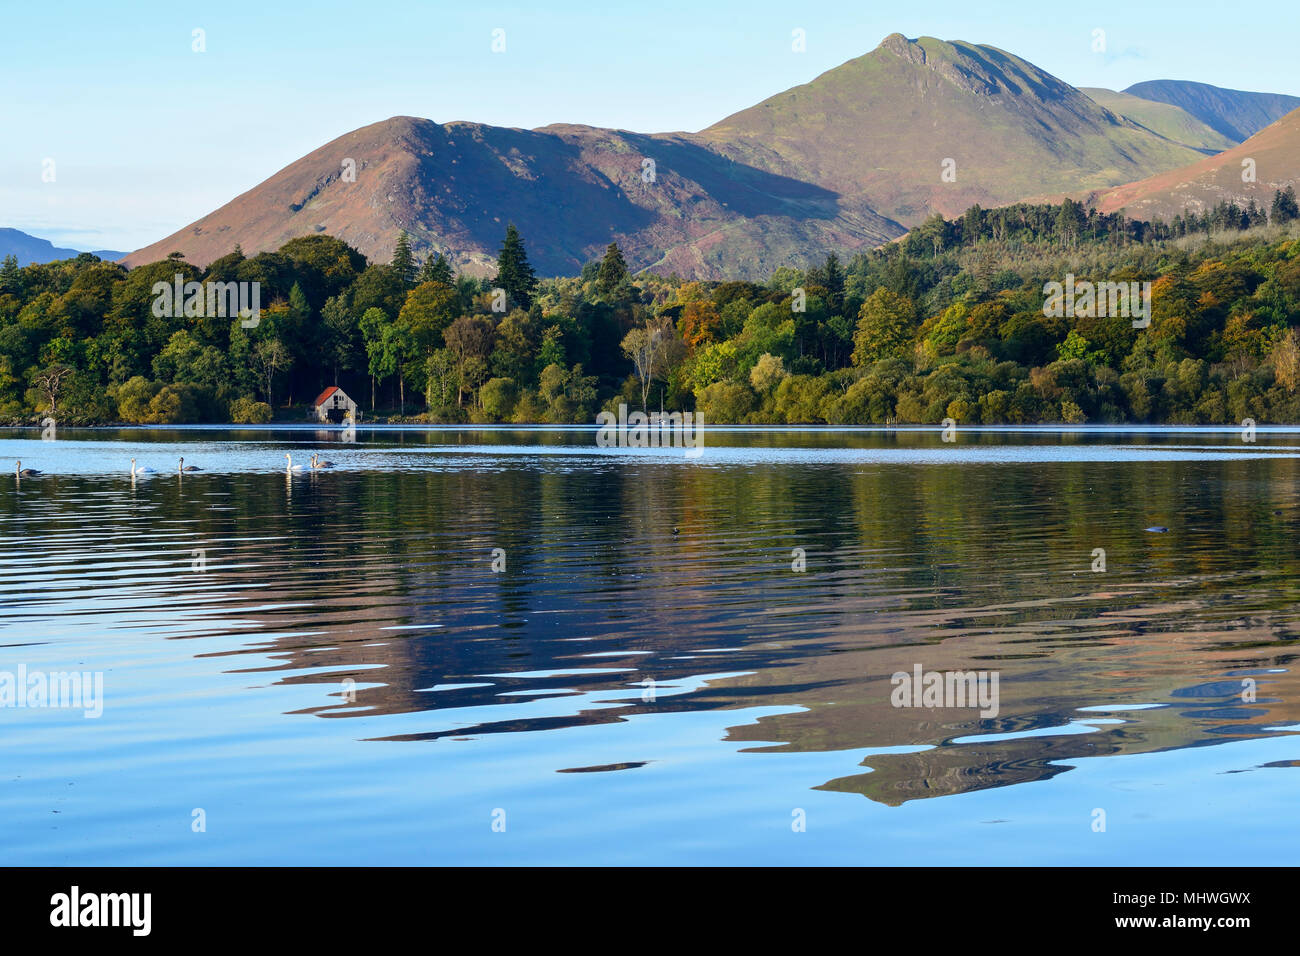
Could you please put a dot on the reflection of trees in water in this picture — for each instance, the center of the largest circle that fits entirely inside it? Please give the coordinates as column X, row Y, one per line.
column 967, row 567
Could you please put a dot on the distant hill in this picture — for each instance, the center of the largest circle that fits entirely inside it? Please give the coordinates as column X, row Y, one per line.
column 1274, row 150
column 570, row 189
column 30, row 249
column 1236, row 114
column 879, row 127
column 1172, row 122
column 850, row 160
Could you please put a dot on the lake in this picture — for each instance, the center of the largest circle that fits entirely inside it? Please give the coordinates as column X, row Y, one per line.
column 511, row 646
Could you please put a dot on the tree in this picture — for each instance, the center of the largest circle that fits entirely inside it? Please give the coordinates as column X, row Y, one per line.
column 271, row 356
column 613, row 269
column 767, row 372
column 436, row 269
column 647, row 348
column 10, row 277
column 701, row 323
column 552, row 348
column 399, row 349
column 498, row 397
column 299, row 308
column 440, row 378
column 1286, row 361
column 390, row 346
column 833, row 276
column 372, row 324
column 469, row 339
column 514, row 274
column 517, row 340
column 429, row 309
column 378, row 287
column 340, row 333
column 884, row 327
column 1069, row 222
column 403, row 261
column 1284, row 207
column 49, row 382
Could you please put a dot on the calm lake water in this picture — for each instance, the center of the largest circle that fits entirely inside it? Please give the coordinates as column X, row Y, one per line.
column 327, row 668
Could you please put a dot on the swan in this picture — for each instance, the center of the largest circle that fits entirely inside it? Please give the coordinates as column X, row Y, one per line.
column 184, row 467
column 142, row 470
column 21, row 472
column 316, row 462
column 290, row 466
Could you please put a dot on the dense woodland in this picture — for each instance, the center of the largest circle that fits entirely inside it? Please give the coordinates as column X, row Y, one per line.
column 946, row 322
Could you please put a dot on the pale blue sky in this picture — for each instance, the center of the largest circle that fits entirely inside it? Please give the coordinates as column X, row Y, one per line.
column 147, row 135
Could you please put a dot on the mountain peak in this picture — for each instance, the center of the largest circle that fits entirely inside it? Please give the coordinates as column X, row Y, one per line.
column 901, row 46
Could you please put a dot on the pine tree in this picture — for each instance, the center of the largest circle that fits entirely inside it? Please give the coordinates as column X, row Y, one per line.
column 514, row 274
column 613, row 269
column 403, row 261
column 10, row 278
column 833, row 275
column 437, row 269
column 1284, row 206
column 299, row 308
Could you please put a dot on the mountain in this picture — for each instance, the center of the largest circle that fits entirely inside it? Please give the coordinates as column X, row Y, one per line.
column 1172, row 122
column 847, row 161
column 1236, row 114
column 570, row 190
column 879, row 128
column 30, row 249
column 1274, row 150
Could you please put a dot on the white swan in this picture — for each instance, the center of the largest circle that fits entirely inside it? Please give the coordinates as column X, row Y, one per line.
column 290, row 466
column 21, row 472
column 184, row 467
column 142, row 470
column 316, row 462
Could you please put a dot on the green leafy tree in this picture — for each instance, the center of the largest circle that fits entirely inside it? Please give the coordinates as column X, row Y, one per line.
column 372, row 325
column 885, row 327
column 429, row 309
column 441, row 379
column 340, row 333
column 469, row 339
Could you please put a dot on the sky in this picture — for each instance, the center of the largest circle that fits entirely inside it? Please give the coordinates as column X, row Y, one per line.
column 115, row 131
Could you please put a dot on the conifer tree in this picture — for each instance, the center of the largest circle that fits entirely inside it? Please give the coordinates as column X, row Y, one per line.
column 833, row 276
column 1284, row 206
column 514, row 274
column 403, row 261
column 437, row 269
column 10, row 278
column 613, row 269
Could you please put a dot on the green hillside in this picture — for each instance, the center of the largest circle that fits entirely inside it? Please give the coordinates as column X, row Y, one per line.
column 1172, row 122
column 879, row 127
